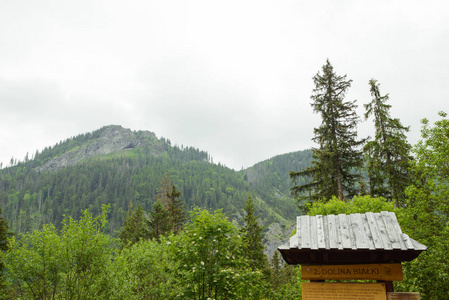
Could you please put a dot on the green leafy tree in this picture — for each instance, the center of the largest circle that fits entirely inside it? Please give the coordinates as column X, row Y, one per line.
column 135, row 227
column 388, row 154
column 87, row 254
column 211, row 262
column 336, row 160
column 35, row 264
column 146, row 270
column 427, row 213
column 70, row 265
column 358, row 204
column 252, row 235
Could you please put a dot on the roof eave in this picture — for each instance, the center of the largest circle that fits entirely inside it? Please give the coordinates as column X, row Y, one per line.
column 346, row 256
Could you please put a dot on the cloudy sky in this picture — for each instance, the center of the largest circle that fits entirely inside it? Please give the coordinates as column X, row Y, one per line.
column 233, row 78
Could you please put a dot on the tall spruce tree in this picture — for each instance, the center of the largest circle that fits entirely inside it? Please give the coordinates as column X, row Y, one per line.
column 135, row 227
column 175, row 210
column 388, row 154
column 163, row 190
column 252, row 235
column 158, row 222
column 336, row 160
column 276, row 271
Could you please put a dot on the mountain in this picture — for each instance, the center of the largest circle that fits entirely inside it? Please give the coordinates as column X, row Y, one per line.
column 124, row 168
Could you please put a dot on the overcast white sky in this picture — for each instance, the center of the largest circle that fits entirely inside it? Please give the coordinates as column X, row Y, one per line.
column 233, row 78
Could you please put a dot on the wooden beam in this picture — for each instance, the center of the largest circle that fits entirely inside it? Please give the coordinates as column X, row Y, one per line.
column 384, row 272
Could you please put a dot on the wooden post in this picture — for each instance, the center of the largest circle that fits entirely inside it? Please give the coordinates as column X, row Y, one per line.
column 388, row 286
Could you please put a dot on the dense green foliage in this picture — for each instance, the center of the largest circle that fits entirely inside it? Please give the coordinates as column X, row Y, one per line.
column 337, row 157
column 358, row 204
column 146, row 270
column 388, row 154
column 207, row 260
column 45, row 264
column 427, row 211
column 212, row 260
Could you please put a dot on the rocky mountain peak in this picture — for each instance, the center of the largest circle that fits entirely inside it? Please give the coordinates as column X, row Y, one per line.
column 107, row 140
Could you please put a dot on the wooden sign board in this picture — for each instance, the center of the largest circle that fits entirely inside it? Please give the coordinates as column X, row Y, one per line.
column 343, row 291
column 387, row 272
column 403, row 296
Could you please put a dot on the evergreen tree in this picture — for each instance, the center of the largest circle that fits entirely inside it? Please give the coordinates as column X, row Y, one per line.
column 158, row 222
column 252, row 236
column 335, row 161
column 388, row 154
column 175, row 211
column 276, row 270
column 135, row 227
column 164, row 190
column 285, row 279
column 4, row 234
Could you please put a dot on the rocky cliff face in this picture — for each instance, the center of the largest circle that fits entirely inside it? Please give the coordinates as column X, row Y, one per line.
column 276, row 236
column 112, row 139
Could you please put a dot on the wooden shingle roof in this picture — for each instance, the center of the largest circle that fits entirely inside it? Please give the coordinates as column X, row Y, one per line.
column 355, row 238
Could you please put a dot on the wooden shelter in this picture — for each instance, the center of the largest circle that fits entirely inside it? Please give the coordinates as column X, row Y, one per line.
column 350, row 239
column 369, row 246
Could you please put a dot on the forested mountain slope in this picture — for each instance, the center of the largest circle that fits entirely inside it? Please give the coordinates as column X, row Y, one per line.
column 123, row 167
column 274, row 172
